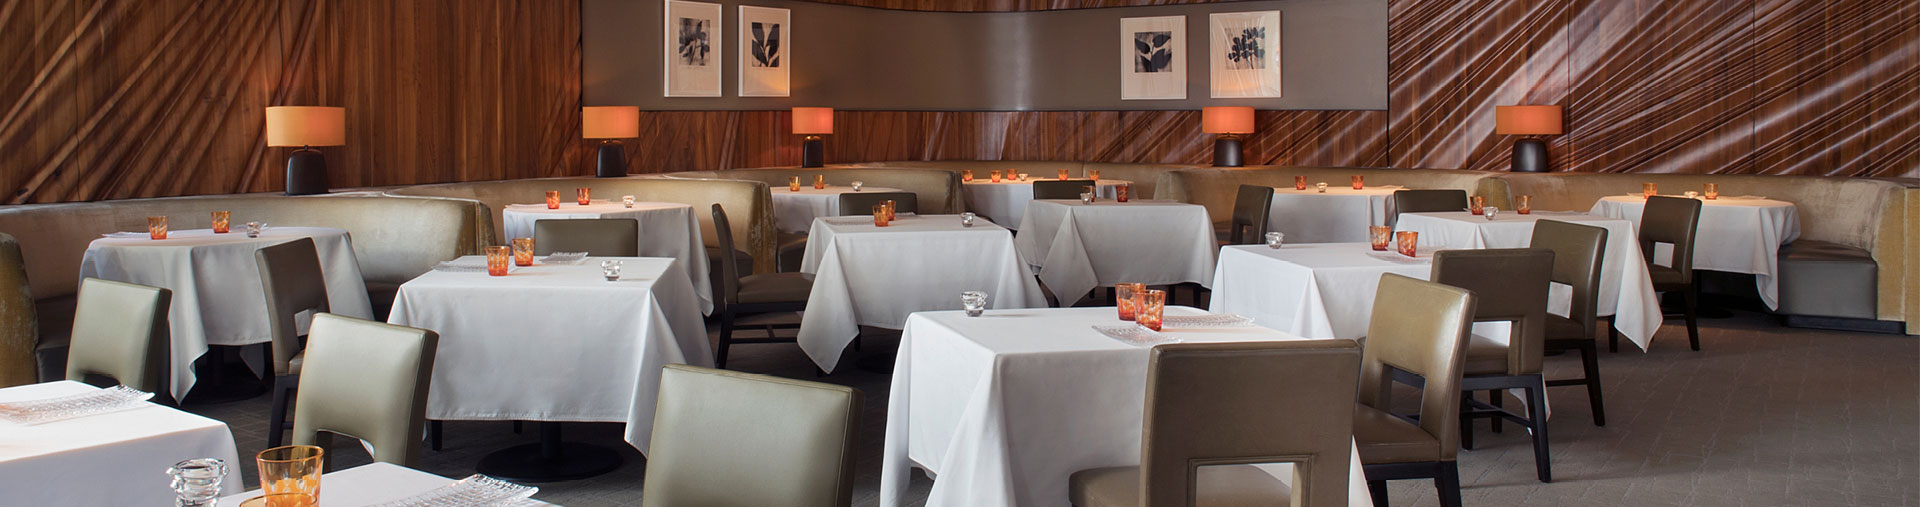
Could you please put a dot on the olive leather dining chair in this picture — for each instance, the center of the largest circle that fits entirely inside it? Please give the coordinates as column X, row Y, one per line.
column 1579, row 251
column 1060, row 189
column 729, row 439
column 1674, row 221
column 752, row 295
column 862, row 203
column 1418, row 328
column 598, row 237
column 1421, row 201
column 366, row 380
column 120, row 332
column 291, row 276
column 1213, row 409
column 1248, row 224
column 1509, row 285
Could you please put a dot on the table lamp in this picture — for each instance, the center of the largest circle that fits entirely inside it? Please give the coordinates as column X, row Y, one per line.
column 306, row 127
column 812, row 122
column 1530, row 151
column 1228, row 122
column 610, row 124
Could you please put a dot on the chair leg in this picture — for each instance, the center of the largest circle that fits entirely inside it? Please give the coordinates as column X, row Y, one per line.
column 1537, row 421
column 433, row 434
column 277, row 419
column 1378, row 490
column 1692, row 299
column 1466, row 421
column 1591, row 363
column 726, row 340
column 1498, row 399
column 1448, row 482
column 1613, row 338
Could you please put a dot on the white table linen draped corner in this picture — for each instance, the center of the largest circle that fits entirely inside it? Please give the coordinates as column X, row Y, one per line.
column 116, row 458
column 556, row 342
column 1736, row 235
column 1321, row 290
column 217, row 295
column 667, row 229
column 370, row 484
column 1001, row 409
column 794, row 211
column 1076, row 247
column 877, row 276
column 1626, row 291
column 1341, row 215
column 1006, row 201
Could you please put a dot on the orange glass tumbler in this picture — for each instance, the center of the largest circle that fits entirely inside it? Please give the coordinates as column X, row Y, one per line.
column 1379, row 236
column 1063, row 174
column 1524, row 205
column 1477, row 204
column 523, row 251
column 819, row 181
column 1152, row 306
column 221, row 219
column 1126, row 296
column 880, row 215
column 1712, row 191
column 966, row 175
column 1299, row 182
column 1648, row 190
column 157, row 227
column 290, row 475
column 1409, row 242
column 1120, row 192
column 995, row 174
column 553, row 199
column 497, row 260
column 1359, row 182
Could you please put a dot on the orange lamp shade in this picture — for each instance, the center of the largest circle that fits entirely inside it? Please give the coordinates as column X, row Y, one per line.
column 306, row 126
column 609, row 122
column 1226, row 120
column 1527, row 120
column 813, row 120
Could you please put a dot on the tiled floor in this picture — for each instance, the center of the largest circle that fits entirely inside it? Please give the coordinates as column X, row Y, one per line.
column 1765, row 415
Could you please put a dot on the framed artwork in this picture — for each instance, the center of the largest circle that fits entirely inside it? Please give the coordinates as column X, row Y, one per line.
column 692, row 49
column 1153, row 58
column 1245, row 60
column 766, row 45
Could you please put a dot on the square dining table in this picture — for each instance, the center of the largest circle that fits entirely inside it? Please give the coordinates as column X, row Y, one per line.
column 1737, row 234
column 794, row 210
column 1005, row 201
column 667, row 229
column 114, row 458
column 1076, row 247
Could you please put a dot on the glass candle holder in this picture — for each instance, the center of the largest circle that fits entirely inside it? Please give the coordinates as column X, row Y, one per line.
column 196, row 482
column 220, row 221
column 1408, row 241
column 1692, row 194
column 1524, row 205
column 553, row 199
column 1121, row 192
column 1492, row 212
column 995, row 175
column 892, row 210
column 1086, row 198
column 967, row 219
column 880, row 215
column 1299, row 182
column 966, row 175
column 1275, row 239
column 1153, row 305
column 1648, row 190
column 974, row 302
column 523, row 251
column 1126, row 296
column 793, row 184
column 1093, row 174
column 1475, row 204
column 156, row 227
column 497, row 260
column 857, row 184
column 1023, row 176
column 1379, row 236
column 626, row 200
column 1359, row 182
column 819, row 181
column 254, row 228
column 610, row 269
column 1711, row 191
column 1320, row 187
column 1063, row 174
column 583, row 195
column 290, row 475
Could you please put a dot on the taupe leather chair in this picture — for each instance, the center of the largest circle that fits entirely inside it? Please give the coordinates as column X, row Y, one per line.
column 1578, row 252
column 120, row 332
column 1059, row 189
column 1421, row 201
column 1674, row 221
column 1419, row 328
column 19, row 326
column 598, row 237
column 861, row 203
column 742, row 296
column 290, row 274
column 367, row 380
column 728, row 439
column 1248, row 225
column 1510, row 285
column 1230, row 404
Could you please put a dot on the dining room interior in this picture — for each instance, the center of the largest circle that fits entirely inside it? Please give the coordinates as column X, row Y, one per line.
column 960, row 253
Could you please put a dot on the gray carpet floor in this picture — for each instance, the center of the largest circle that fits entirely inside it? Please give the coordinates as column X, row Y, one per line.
column 1765, row 415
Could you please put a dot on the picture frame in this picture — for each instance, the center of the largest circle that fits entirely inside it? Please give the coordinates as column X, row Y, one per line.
column 1244, row 60
column 766, row 48
column 691, row 54
column 1153, row 58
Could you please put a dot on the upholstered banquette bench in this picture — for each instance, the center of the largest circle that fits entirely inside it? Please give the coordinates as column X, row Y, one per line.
column 937, row 191
column 1215, row 187
column 1145, row 177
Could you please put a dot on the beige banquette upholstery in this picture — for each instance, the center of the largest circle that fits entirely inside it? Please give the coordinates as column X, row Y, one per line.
column 19, row 332
column 1214, row 187
column 1143, row 176
column 938, row 192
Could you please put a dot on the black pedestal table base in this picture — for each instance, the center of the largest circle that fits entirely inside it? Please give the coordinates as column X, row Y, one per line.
column 550, row 460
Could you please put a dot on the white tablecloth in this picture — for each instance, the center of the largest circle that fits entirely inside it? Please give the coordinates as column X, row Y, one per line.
column 1339, row 216
column 556, row 342
column 1003, row 408
column 1736, row 235
column 667, row 229
column 1006, row 201
column 1322, row 290
column 793, row 212
column 1076, row 247
column 118, row 458
column 1625, row 290
column 217, row 296
column 875, row 276
column 369, row 484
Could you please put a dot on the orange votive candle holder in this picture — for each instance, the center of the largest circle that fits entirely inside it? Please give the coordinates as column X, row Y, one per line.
column 497, row 260
column 1524, row 205
column 1093, row 174
column 1712, row 191
column 1120, row 192
column 221, row 219
column 995, row 174
column 1477, row 204
column 966, row 175
column 1408, row 241
column 157, row 227
column 553, row 199
column 793, row 184
column 1126, row 296
column 893, row 210
column 1152, row 306
column 523, row 251
column 1379, row 236
column 1649, row 189
column 819, row 181
column 880, row 215
column 1359, row 182
column 1299, row 182
column 583, row 195
column 1062, row 174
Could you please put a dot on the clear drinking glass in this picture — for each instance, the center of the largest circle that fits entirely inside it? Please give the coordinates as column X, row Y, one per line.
column 1524, row 206
column 1321, row 187
column 626, row 200
column 553, row 199
column 157, row 227
column 1379, row 236
column 1692, row 194
column 221, row 219
column 610, row 268
column 1490, row 211
column 1023, row 176
column 1274, row 239
column 497, row 260
column 1153, row 304
column 523, row 251
column 975, row 302
column 966, row 219
column 1126, row 296
column 857, row 184
column 1359, row 182
column 290, row 475
column 1475, row 204
column 1086, row 198
column 196, row 482
column 583, row 195
column 254, row 228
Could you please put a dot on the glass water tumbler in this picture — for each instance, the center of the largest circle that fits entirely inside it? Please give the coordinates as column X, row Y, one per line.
column 1648, row 190
column 793, row 184
column 1299, row 182
column 553, row 199
column 497, row 260
column 966, row 175
column 221, row 219
column 1524, row 205
column 290, row 475
column 1359, row 182
column 819, row 181
column 880, row 215
column 1409, row 242
column 1475, row 204
column 1153, row 304
column 196, row 482
column 157, row 227
column 585, row 195
column 974, row 302
column 523, row 251
column 1062, row 174
column 995, row 175
column 1712, row 191
column 626, row 200
column 1126, row 296
column 1379, row 236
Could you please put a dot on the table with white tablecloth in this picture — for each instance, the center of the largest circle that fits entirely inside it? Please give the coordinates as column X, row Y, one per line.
column 370, row 484
column 217, row 295
column 794, row 210
column 1001, row 409
column 865, row 275
column 1736, row 235
column 667, row 229
column 1320, row 290
column 115, row 458
column 1340, row 215
column 1076, row 247
column 1626, row 292
column 1005, row 201
column 555, row 342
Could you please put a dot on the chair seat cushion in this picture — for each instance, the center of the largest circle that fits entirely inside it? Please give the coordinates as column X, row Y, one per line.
column 1666, row 278
column 1384, row 438
column 299, row 360
column 775, row 288
column 1485, row 356
column 1219, row 486
column 1562, row 328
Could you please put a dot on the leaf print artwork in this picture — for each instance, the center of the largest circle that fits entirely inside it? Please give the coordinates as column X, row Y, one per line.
column 1248, row 50
column 766, row 45
column 693, row 41
column 1152, row 53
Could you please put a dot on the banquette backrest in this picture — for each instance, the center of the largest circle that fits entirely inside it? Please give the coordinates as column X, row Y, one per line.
column 938, row 191
column 1215, row 187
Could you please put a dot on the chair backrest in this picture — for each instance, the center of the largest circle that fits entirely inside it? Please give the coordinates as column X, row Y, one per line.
column 19, row 326
column 1250, row 402
column 598, row 237
column 120, row 331
column 729, row 267
column 1420, row 201
column 1671, row 220
column 1419, row 327
column 861, row 203
column 1250, row 208
column 1059, row 189
column 369, row 380
column 290, row 273
column 1578, row 252
column 730, row 439
column 1509, row 285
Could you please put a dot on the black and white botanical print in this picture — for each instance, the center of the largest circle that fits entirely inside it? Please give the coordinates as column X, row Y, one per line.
column 1152, row 53
column 693, row 41
column 766, row 45
column 1249, row 48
